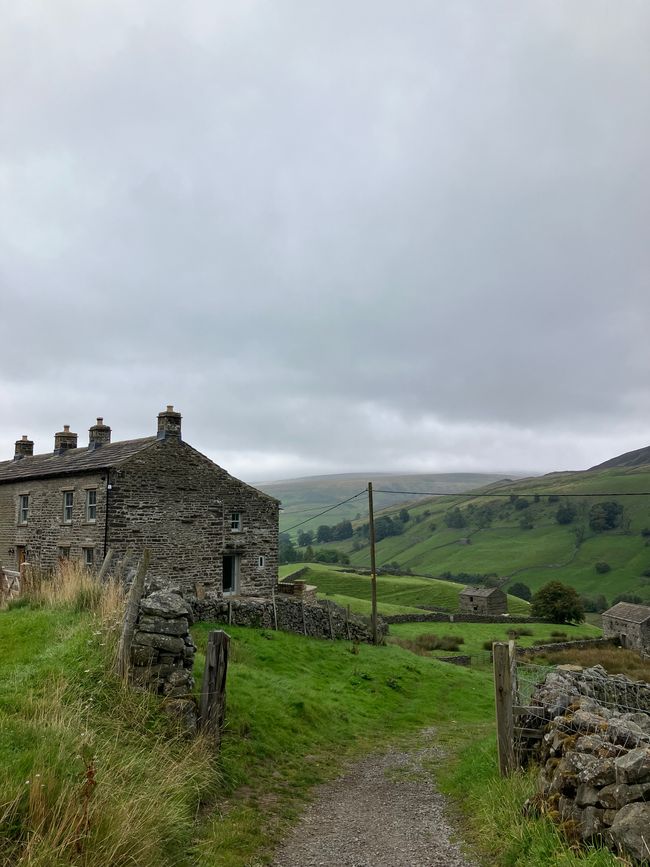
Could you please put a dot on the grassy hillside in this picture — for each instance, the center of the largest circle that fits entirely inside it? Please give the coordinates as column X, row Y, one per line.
column 547, row 551
column 95, row 774
column 304, row 497
column 395, row 594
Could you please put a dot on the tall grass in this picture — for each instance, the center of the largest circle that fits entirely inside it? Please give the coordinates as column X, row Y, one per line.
column 92, row 772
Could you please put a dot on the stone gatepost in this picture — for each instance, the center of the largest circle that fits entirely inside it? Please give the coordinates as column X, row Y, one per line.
column 162, row 653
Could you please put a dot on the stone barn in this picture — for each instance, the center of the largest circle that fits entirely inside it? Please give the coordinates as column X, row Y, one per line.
column 483, row 600
column 201, row 525
column 630, row 624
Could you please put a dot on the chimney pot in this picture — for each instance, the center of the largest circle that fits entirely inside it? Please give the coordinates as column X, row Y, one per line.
column 169, row 424
column 24, row 448
column 64, row 440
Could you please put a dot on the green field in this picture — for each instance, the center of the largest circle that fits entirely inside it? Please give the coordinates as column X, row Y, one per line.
column 407, row 592
column 548, row 551
column 93, row 773
column 476, row 634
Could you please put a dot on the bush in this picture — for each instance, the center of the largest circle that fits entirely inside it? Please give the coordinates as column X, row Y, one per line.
column 628, row 597
column 557, row 634
column 601, row 567
column 487, row 645
column 518, row 632
column 646, row 573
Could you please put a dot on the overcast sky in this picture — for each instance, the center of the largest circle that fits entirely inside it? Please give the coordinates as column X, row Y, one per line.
column 337, row 236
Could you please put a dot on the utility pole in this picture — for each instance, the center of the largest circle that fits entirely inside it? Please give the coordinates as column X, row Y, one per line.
column 373, row 565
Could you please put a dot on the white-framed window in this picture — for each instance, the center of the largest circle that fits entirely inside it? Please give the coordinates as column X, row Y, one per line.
column 23, row 508
column 89, row 557
column 91, row 505
column 261, row 561
column 235, row 522
column 68, row 500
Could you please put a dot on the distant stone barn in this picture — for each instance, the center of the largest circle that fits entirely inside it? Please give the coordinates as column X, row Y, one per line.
column 482, row 600
column 630, row 624
column 201, row 525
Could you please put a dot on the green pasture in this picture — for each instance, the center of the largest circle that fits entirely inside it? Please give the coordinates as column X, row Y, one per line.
column 476, row 634
column 403, row 591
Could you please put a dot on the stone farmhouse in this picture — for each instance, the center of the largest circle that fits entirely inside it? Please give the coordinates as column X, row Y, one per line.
column 630, row 624
column 202, row 526
column 482, row 600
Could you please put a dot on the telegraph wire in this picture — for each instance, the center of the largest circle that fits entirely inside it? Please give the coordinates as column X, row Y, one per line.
column 470, row 495
column 325, row 511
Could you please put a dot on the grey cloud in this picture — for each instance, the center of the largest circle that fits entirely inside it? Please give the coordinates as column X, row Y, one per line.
column 336, row 235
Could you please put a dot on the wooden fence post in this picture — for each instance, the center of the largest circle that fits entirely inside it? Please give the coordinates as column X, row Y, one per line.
column 212, row 706
column 329, row 618
column 131, row 615
column 107, row 562
column 275, row 610
column 503, row 703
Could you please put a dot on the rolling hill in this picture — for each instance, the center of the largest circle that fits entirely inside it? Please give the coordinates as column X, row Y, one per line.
column 511, row 530
column 312, row 494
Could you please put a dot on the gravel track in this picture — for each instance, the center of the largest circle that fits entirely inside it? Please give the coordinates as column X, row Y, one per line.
column 384, row 812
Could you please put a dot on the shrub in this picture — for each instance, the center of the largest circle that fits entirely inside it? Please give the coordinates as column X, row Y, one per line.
column 646, row 573
column 602, row 567
column 628, row 597
column 519, row 631
column 556, row 634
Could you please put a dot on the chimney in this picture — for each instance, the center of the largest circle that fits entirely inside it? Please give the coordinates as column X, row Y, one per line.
column 98, row 434
column 169, row 424
column 24, row 448
column 64, row 440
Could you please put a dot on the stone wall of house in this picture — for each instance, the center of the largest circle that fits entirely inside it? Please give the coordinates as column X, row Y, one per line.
column 174, row 501
column 633, row 635
column 45, row 535
column 321, row 619
column 495, row 603
column 595, row 757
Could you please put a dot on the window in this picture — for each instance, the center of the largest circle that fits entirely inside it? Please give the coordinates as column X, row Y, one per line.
column 89, row 557
column 235, row 522
column 91, row 506
column 68, row 499
column 64, row 552
column 261, row 561
column 23, row 508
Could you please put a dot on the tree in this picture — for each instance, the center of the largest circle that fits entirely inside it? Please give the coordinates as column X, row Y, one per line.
column 628, row 597
column 404, row 515
column 602, row 567
column 324, row 533
column 565, row 514
column 558, row 603
column 605, row 516
column 287, row 552
column 305, row 537
column 342, row 531
column 454, row 518
column 520, row 590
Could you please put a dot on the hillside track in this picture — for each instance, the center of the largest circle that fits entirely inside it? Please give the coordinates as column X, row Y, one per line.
column 383, row 812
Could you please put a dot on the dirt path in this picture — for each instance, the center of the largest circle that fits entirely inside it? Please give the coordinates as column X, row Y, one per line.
column 384, row 812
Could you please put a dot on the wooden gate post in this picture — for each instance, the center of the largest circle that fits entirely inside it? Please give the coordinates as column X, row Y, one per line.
column 131, row 615
column 212, row 706
column 503, row 703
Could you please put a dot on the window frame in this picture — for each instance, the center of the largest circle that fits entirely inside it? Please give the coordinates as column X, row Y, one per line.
column 261, row 561
column 23, row 509
column 91, row 518
column 68, row 507
column 85, row 551
column 63, row 552
column 235, row 524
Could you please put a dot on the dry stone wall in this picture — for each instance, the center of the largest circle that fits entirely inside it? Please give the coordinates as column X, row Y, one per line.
column 321, row 619
column 595, row 757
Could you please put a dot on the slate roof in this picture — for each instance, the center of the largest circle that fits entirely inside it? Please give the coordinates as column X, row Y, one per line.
column 72, row 460
column 629, row 611
column 479, row 591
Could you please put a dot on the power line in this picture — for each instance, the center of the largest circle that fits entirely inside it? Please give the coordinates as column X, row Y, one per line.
column 325, row 511
column 471, row 495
